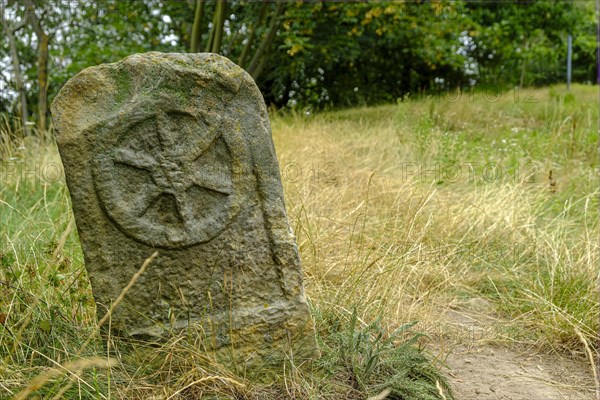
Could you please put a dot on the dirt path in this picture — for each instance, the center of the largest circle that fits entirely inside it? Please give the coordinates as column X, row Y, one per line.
column 480, row 370
column 508, row 374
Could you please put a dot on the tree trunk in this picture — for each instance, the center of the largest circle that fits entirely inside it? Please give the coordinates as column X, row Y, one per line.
column 43, row 83
column 231, row 43
column 259, row 69
column 43, row 42
column 9, row 31
column 524, row 64
column 252, row 35
column 211, row 36
column 197, row 27
column 218, row 28
column 264, row 45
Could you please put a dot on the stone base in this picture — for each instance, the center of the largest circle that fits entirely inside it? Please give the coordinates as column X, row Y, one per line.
column 248, row 340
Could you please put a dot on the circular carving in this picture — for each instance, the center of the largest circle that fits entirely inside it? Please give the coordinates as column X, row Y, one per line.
column 168, row 180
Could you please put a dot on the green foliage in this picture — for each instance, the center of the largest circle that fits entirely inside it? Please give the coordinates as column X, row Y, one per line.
column 372, row 360
column 525, row 43
column 338, row 55
column 324, row 54
column 362, row 53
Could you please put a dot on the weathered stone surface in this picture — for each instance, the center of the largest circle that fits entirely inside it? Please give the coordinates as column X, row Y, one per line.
column 173, row 152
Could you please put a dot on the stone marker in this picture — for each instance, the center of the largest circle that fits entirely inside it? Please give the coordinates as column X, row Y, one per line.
column 173, row 152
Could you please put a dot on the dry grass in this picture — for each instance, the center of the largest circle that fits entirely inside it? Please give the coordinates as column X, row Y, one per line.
column 388, row 235
column 383, row 217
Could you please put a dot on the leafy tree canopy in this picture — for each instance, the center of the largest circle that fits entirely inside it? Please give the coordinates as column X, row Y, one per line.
column 309, row 55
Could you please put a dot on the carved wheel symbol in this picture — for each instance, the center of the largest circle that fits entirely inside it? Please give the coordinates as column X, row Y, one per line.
column 169, row 183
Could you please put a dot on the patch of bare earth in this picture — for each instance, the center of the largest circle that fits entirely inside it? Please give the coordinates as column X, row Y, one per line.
column 482, row 367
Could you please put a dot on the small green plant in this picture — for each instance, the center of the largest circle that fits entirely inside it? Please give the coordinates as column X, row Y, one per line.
column 373, row 360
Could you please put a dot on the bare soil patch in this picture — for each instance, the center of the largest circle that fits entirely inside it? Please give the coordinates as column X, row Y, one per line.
column 480, row 368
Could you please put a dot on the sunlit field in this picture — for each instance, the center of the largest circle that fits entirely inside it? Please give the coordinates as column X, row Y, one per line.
column 402, row 212
column 412, row 208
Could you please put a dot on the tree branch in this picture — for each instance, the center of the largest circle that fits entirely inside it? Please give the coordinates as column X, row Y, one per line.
column 33, row 19
column 17, row 27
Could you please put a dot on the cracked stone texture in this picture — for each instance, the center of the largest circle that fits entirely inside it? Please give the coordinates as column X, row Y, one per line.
column 173, row 152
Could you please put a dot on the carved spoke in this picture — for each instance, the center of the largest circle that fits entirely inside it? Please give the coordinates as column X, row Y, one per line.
column 165, row 136
column 144, row 200
column 201, row 144
column 213, row 180
column 184, row 206
column 175, row 236
column 136, row 159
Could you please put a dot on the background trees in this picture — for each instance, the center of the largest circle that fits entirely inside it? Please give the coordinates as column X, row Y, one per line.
column 303, row 55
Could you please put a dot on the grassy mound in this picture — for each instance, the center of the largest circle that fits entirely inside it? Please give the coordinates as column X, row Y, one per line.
column 401, row 213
